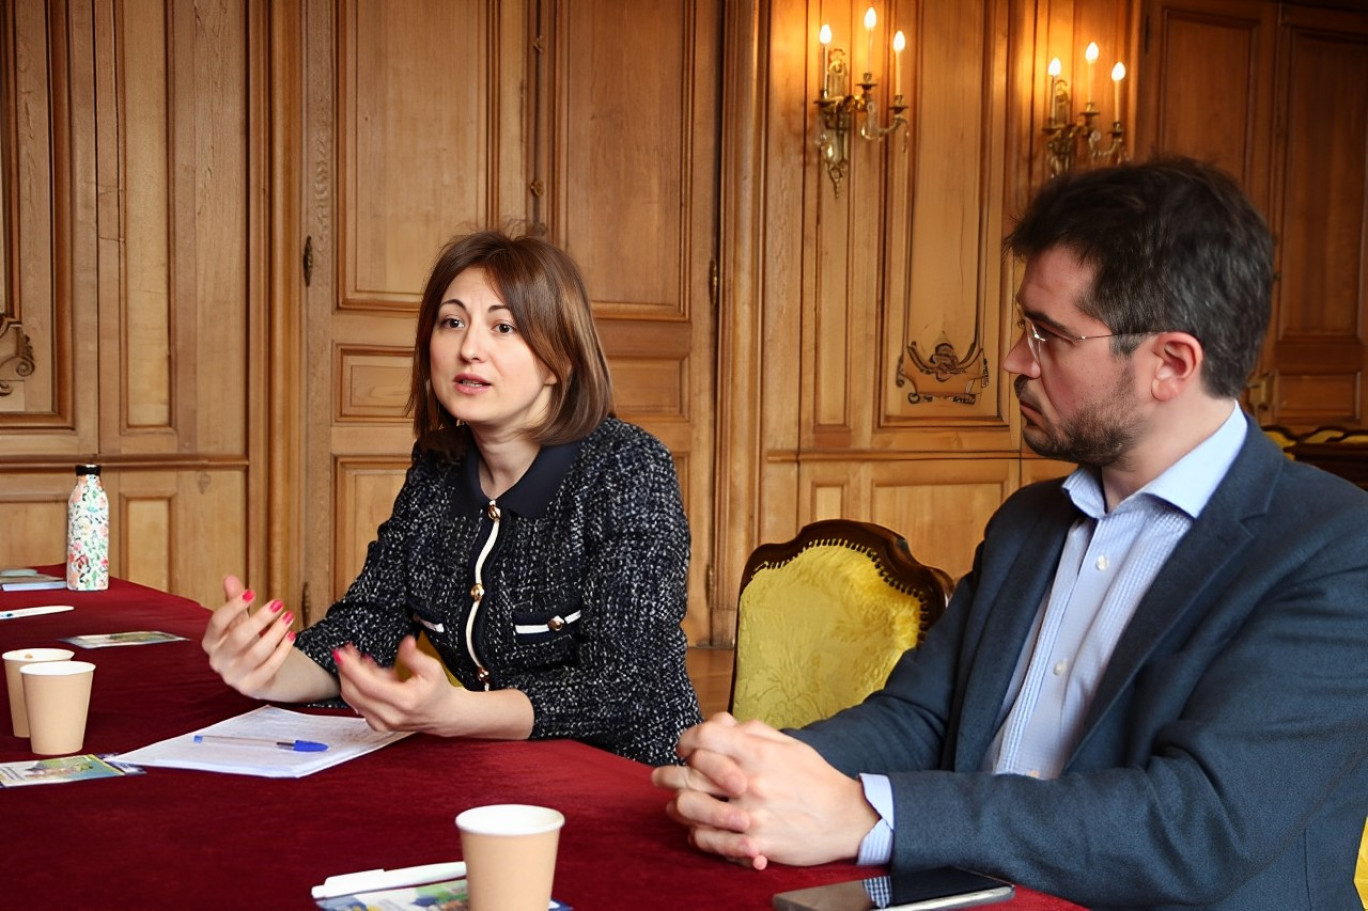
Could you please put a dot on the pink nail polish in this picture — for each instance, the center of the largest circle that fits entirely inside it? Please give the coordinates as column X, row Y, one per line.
column 249, row 596
column 291, row 636
column 288, row 618
column 276, row 606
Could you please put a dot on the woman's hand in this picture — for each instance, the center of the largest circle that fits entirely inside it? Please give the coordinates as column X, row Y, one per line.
column 254, row 652
column 426, row 701
column 389, row 702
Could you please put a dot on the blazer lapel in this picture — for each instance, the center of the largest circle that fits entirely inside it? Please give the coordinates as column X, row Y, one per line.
column 1199, row 561
column 1014, row 588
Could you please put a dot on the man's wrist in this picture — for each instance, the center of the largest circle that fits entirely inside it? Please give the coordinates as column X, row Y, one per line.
column 877, row 845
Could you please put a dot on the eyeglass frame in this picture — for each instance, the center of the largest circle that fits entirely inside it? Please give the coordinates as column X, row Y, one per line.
column 1030, row 330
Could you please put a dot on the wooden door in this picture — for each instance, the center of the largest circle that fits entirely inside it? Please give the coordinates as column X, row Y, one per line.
column 1317, row 351
column 133, row 277
column 1278, row 95
column 424, row 119
column 631, row 173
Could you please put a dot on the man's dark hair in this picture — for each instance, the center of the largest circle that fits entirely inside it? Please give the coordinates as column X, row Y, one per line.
column 1176, row 245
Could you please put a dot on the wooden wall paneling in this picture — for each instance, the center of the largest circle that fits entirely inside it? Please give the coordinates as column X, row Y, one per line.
column 179, row 294
column 787, row 199
column 278, row 451
column 1320, row 326
column 34, row 506
column 632, row 193
column 837, row 316
column 143, row 236
column 419, row 139
column 218, row 207
column 323, row 68
column 136, row 327
column 175, row 308
column 150, row 521
column 173, row 528
column 941, row 505
column 404, row 145
column 940, row 384
column 29, row 307
column 366, row 488
column 1206, row 77
column 768, row 187
column 47, row 226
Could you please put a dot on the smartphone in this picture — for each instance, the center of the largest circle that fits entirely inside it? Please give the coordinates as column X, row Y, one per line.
column 911, row 890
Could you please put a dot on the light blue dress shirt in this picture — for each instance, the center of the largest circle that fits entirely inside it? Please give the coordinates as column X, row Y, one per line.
column 1108, row 563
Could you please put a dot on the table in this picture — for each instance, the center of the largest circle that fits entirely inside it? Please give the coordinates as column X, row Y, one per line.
column 175, row 838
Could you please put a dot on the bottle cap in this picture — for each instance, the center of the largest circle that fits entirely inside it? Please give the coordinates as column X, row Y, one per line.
column 87, row 469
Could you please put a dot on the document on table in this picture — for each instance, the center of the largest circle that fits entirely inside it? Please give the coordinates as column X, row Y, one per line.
column 261, row 742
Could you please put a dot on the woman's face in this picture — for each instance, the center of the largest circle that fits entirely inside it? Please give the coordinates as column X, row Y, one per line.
column 483, row 372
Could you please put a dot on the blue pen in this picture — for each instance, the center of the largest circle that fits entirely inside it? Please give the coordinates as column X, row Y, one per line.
column 298, row 746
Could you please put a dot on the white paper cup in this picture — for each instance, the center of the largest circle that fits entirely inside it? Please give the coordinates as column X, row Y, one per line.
column 15, row 683
column 510, row 855
column 57, row 697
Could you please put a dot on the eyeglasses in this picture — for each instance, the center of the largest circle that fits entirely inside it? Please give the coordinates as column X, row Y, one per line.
column 1036, row 337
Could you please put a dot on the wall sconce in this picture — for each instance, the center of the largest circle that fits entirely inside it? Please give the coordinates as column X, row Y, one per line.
column 838, row 109
column 1063, row 133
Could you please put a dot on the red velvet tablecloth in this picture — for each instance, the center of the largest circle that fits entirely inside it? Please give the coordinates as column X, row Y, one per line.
column 172, row 838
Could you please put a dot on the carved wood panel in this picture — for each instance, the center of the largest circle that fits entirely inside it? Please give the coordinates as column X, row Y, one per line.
column 130, row 224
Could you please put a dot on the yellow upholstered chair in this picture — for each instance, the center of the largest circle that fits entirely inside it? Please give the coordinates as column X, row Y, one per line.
column 823, row 618
column 1361, row 871
column 1282, row 436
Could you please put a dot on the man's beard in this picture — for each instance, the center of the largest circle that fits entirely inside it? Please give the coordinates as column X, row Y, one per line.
column 1097, row 436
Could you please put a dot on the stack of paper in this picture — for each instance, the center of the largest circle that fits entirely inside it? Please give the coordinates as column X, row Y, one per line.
column 261, row 742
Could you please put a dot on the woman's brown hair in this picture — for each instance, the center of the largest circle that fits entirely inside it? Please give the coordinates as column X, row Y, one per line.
column 543, row 289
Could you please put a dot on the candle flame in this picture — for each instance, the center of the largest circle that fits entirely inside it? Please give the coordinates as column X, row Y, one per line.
column 1091, row 53
column 870, row 19
column 825, row 35
column 1055, row 67
column 899, row 42
column 1118, row 72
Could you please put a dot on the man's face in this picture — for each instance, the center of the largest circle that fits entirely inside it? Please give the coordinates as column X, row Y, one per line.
column 1079, row 401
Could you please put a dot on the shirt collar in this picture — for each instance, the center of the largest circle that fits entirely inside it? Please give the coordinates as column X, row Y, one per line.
column 1186, row 484
column 532, row 494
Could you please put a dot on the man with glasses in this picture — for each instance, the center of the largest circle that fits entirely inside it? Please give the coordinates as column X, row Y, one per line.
column 1151, row 691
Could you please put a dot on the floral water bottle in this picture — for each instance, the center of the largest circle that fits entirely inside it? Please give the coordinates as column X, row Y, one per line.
column 88, row 532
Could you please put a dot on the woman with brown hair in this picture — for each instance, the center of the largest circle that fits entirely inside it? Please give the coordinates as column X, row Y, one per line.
column 538, row 542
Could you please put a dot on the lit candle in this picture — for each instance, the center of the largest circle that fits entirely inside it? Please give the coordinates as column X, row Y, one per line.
column 1091, row 56
column 1052, row 103
column 824, row 38
column 899, row 42
column 870, row 21
column 1118, row 73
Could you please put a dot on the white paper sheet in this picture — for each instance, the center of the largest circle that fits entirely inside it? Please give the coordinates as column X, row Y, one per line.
column 346, row 737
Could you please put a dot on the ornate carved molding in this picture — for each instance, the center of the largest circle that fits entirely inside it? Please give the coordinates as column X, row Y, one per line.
column 965, row 376
column 16, row 353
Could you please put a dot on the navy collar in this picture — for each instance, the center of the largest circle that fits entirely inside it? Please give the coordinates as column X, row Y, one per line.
column 532, row 494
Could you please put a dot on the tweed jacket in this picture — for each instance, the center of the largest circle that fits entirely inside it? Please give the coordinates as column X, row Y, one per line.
column 1222, row 764
column 584, row 588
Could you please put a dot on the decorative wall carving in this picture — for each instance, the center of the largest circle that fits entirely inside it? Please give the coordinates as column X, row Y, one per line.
column 16, row 353
column 963, row 377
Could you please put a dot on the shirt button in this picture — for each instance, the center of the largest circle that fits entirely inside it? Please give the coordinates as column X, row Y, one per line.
column 476, row 591
column 1060, row 667
column 1102, row 562
column 555, row 624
